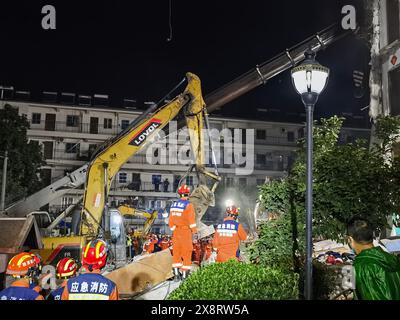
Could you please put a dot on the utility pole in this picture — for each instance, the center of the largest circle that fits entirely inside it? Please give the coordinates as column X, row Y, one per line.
column 3, row 184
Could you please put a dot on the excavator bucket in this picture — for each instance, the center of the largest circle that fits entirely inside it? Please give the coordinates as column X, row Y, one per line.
column 202, row 198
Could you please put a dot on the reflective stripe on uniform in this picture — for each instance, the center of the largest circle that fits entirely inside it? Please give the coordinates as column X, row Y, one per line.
column 186, row 267
column 87, row 296
column 173, row 228
column 193, row 226
column 177, row 265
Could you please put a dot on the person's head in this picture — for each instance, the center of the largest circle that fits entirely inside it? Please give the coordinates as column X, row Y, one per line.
column 232, row 211
column 23, row 265
column 184, row 191
column 94, row 255
column 360, row 234
column 66, row 268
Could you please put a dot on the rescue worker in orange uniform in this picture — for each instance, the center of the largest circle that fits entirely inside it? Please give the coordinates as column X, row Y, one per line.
column 164, row 243
column 182, row 222
column 196, row 257
column 148, row 246
column 206, row 249
column 66, row 268
column 228, row 235
column 91, row 285
column 22, row 267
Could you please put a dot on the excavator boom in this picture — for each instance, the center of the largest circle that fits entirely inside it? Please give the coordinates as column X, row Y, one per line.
column 115, row 154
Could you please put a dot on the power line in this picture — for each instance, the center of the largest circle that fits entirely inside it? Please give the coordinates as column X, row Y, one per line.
column 170, row 21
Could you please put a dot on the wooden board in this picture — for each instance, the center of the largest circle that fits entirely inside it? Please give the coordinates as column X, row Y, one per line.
column 146, row 272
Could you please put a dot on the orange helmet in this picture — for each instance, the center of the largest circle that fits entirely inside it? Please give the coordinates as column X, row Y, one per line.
column 66, row 267
column 232, row 210
column 184, row 189
column 21, row 264
column 94, row 255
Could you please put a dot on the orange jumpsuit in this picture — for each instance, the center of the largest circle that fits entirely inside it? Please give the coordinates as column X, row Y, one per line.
column 148, row 246
column 182, row 222
column 196, row 253
column 164, row 244
column 206, row 250
column 227, row 238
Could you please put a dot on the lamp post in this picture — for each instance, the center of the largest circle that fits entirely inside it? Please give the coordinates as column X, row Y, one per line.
column 309, row 80
column 3, row 182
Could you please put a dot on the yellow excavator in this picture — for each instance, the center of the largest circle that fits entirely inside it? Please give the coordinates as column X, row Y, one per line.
column 96, row 218
column 126, row 210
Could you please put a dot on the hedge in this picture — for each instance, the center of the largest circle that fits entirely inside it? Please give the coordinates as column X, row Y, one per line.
column 234, row 280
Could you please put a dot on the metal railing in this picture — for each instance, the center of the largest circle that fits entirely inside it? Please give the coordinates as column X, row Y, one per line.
column 143, row 187
column 63, row 126
column 276, row 141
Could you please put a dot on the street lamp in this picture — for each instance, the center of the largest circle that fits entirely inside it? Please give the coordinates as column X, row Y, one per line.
column 309, row 80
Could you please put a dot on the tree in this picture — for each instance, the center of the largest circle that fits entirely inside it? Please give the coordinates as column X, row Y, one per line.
column 25, row 158
column 349, row 180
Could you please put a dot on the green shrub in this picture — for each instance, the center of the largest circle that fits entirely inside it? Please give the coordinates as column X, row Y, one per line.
column 233, row 280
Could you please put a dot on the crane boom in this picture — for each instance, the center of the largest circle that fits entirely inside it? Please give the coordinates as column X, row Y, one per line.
column 271, row 68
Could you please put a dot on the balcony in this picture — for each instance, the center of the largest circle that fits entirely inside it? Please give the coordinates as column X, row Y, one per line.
column 143, row 186
column 62, row 126
column 278, row 141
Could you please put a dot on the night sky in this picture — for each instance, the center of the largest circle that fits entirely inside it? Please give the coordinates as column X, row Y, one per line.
column 120, row 48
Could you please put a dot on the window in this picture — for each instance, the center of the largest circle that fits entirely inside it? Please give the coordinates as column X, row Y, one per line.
column 229, row 182
column 261, row 159
column 66, row 201
column 36, row 118
column 72, row 121
column 394, row 92
column 242, row 182
column 261, row 134
column 189, row 181
column 107, row 123
column 122, row 177
column 72, row 148
column 300, row 133
column 124, row 124
column 290, row 136
column 392, row 13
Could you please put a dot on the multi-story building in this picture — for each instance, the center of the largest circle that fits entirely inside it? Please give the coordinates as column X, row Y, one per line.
column 69, row 133
column 386, row 47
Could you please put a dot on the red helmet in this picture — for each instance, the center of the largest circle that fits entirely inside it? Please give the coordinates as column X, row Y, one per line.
column 38, row 260
column 94, row 255
column 232, row 210
column 21, row 264
column 66, row 268
column 184, row 189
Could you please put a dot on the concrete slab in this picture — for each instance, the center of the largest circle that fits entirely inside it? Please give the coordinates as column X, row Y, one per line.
column 160, row 292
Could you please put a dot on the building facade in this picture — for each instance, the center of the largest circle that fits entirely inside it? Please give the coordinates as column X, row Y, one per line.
column 70, row 133
column 386, row 46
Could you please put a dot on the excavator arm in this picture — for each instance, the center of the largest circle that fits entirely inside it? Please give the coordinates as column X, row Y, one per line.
column 203, row 195
column 126, row 210
column 108, row 161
